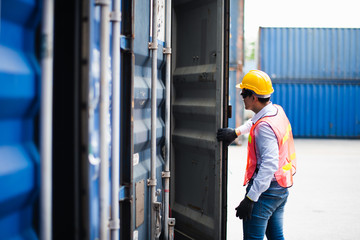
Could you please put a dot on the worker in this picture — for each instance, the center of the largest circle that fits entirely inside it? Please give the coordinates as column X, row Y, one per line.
column 271, row 159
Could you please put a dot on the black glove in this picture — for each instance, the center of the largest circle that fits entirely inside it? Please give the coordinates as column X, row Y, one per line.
column 227, row 135
column 244, row 210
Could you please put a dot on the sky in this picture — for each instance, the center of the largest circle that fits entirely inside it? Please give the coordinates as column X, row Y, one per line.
column 299, row 13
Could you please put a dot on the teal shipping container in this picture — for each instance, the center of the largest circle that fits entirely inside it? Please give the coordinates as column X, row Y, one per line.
column 316, row 77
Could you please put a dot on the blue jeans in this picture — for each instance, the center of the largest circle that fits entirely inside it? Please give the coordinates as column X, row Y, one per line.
column 267, row 215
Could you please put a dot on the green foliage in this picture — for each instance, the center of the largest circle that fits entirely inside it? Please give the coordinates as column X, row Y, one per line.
column 250, row 51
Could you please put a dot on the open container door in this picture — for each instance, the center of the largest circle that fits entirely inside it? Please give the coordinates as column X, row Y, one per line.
column 198, row 174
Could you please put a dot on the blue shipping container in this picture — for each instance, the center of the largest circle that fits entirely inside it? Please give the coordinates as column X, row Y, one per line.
column 19, row 158
column 310, row 53
column 321, row 110
column 83, row 180
column 316, row 77
column 236, row 60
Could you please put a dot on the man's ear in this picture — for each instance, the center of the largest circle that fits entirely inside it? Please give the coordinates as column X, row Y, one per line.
column 255, row 98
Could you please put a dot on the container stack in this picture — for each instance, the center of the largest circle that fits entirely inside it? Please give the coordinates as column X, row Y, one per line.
column 316, row 78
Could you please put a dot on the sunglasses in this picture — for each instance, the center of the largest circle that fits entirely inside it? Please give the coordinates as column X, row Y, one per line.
column 246, row 93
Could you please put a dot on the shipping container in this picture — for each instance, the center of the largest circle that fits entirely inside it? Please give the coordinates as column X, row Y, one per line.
column 19, row 156
column 310, row 53
column 129, row 111
column 236, row 61
column 316, row 77
column 321, row 110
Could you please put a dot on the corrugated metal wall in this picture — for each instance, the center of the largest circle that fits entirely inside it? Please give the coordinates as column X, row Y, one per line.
column 310, row 53
column 316, row 77
column 321, row 110
column 19, row 160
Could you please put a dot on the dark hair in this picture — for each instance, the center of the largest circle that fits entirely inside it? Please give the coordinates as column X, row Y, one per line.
column 246, row 93
column 264, row 100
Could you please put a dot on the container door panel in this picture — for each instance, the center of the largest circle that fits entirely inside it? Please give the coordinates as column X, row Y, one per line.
column 197, row 98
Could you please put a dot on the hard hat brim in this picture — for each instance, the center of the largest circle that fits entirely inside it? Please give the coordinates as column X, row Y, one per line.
column 257, row 81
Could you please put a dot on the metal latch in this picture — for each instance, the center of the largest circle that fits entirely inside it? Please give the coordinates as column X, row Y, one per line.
column 165, row 174
column 167, row 51
column 151, row 182
column 157, row 208
column 115, row 16
column 171, row 228
column 114, row 224
column 152, row 46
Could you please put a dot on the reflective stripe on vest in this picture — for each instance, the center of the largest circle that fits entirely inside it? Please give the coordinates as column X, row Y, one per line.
column 280, row 124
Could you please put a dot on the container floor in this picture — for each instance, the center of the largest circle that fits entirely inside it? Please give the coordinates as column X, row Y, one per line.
column 324, row 201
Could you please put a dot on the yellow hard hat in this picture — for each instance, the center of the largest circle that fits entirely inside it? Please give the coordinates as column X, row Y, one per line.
column 257, row 81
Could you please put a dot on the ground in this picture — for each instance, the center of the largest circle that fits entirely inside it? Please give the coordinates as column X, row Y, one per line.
column 324, row 201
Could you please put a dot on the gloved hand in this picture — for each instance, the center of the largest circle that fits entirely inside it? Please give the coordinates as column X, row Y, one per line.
column 244, row 210
column 227, row 135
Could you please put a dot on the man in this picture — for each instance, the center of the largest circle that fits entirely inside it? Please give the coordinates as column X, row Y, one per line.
column 271, row 160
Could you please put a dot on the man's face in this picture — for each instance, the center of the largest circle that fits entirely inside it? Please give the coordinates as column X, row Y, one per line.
column 248, row 98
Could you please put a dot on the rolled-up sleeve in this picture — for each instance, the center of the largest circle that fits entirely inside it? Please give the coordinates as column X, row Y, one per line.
column 267, row 152
column 245, row 128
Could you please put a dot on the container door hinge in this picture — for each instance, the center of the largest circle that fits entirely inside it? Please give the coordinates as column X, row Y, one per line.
column 124, row 193
column 229, row 111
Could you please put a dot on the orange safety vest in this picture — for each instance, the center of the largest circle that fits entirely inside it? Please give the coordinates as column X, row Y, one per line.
column 287, row 158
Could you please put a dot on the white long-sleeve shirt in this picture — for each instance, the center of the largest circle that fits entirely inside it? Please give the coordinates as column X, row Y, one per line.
column 267, row 151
